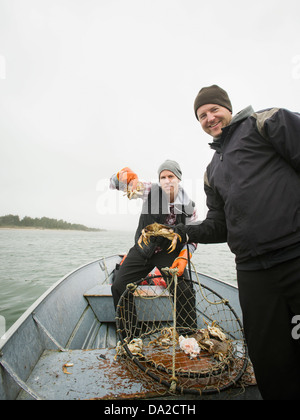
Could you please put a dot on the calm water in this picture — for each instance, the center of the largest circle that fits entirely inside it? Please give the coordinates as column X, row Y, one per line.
column 32, row 260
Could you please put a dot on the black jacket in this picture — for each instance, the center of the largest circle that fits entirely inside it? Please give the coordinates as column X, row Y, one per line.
column 253, row 185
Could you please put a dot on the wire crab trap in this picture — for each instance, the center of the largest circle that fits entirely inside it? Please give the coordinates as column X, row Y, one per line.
column 185, row 337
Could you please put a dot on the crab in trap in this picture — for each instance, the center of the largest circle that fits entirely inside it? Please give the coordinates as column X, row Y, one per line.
column 157, row 229
column 135, row 347
column 166, row 338
column 214, row 341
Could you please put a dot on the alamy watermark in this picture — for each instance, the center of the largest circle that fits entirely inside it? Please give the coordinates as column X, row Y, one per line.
column 2, row 326
column 2, row 67
column 110, row 201
column 296, row 67
column 296, row 329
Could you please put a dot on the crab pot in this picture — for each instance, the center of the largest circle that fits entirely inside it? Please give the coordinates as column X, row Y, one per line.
column 184, row 312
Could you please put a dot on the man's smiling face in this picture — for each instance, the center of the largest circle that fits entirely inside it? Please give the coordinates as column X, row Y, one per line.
column 213, row 118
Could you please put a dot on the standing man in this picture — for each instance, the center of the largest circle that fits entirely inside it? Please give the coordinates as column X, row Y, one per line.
column 165, row 203
column 252, row 186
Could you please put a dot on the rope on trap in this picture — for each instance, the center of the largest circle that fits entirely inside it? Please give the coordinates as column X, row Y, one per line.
column 150, row 319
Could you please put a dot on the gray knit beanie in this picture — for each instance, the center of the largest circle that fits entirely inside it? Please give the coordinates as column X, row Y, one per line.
column 212, row 95
column 170, row 165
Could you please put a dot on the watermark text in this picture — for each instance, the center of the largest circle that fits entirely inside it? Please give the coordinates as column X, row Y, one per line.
column 296, row 329
column 113, row 202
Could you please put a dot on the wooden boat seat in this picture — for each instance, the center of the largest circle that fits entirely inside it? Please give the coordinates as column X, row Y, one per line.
column 150, row 301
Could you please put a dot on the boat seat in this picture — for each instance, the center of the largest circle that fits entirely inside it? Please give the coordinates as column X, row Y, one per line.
column 148, row 307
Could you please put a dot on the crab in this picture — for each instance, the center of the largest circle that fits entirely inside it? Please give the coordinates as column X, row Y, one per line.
column 201, row 335
column 166, row 338
column 215, row 332
column 213, row 340
column 135, row 347
column 219, row 349
column 157, row 229
column 136, row 192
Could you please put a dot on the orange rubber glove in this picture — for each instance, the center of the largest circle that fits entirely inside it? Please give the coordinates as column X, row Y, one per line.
column 181, row 261
column 127, row 176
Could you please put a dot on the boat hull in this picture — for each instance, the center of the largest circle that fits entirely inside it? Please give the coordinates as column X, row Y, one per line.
column 62, row 328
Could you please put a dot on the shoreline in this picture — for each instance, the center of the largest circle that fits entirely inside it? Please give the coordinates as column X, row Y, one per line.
column 41, row 228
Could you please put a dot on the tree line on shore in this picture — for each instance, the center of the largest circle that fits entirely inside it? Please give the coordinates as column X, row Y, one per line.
column 11, row 220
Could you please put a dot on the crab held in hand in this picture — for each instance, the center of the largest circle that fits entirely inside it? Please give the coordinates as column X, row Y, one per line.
column 135, row 191
column 157, row 229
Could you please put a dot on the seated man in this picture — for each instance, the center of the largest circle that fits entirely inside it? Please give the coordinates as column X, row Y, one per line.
column 165, row 203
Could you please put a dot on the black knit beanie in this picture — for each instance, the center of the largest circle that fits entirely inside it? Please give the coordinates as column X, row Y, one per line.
column 212, row 95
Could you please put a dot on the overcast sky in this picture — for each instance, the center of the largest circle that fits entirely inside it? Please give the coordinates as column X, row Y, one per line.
column 90, row 86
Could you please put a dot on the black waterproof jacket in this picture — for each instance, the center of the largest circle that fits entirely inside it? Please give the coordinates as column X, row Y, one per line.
column 253, row 185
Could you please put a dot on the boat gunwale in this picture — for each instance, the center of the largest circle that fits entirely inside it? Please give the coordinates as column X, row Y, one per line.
column 33, row 307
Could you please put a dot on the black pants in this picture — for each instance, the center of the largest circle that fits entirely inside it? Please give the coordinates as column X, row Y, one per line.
column 269, row 300
column 135, row 268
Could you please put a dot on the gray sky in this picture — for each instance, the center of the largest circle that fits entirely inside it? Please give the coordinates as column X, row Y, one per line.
column 90, row 86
